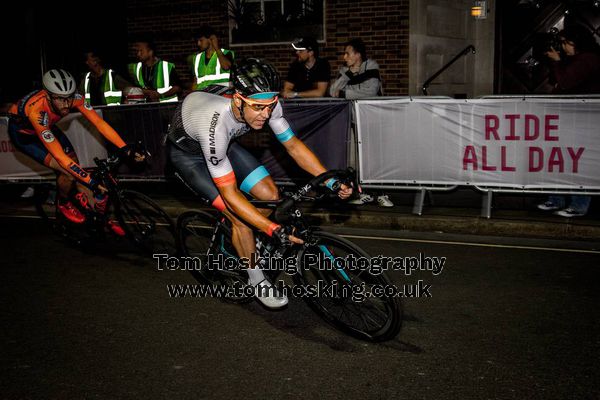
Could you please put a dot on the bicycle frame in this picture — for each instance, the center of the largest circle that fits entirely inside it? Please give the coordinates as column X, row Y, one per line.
column 286, row 213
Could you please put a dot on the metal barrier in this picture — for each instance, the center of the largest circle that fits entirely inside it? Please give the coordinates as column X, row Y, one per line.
column 323, row 125
column 537, row 144
column 418, row 139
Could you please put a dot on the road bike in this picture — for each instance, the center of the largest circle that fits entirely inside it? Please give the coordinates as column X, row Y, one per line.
column 143, row 221
column 325, row 261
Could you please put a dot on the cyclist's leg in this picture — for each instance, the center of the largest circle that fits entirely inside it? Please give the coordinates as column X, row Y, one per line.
column 255, row 181
column 191, row 169
column 30, row 145
column 254, row 177
column 65, row 181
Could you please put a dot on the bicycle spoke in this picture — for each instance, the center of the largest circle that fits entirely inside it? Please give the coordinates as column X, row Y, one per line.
column 145, row 223
column 371, row 318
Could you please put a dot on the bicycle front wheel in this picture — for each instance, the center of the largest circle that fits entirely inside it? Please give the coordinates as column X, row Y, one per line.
column 201, row 238
column 147, row 225
column 347, row 299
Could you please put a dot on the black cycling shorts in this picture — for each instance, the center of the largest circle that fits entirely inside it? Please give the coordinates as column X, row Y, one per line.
column 192, row 170
column 32, row 146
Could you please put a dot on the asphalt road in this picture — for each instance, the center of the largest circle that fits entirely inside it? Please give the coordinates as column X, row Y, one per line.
column 502, row 323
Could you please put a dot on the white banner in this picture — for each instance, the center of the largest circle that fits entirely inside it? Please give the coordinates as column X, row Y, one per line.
column 86, row 140
column 524, row 144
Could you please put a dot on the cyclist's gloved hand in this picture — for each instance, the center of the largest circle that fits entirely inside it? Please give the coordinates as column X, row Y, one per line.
column 96, row 186
column 279, row 233
column 344, row 191
column 281, row 236
column 127, row 152
column 138, row 157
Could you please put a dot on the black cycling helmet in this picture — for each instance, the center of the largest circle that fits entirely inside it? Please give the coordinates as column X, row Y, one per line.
column 253, row 76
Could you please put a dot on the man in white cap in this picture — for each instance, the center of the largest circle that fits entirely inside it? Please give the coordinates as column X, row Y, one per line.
column 309, row 75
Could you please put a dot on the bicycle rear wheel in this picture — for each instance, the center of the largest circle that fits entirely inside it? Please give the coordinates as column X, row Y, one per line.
column 201, row 237
column 145, row 223
column 42, row 193
column 346, row 303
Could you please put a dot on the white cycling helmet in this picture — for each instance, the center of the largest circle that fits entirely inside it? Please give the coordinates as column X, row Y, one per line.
column 134, row 95
column 59, row 82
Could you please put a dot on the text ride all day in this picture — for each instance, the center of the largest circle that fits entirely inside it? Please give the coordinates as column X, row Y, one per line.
column 526, row 128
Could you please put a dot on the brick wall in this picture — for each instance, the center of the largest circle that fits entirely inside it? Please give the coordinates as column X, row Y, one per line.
column 383, row 25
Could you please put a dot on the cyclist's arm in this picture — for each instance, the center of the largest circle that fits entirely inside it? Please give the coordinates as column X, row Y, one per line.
column 55, row 148
column 236, row 201
column 304, row 157
column 103, row 127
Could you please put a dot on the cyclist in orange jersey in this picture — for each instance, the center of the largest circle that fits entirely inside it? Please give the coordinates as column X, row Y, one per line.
column 32, row 129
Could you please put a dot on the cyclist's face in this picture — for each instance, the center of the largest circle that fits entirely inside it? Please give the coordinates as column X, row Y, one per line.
column 61, row 104
column 256, row 113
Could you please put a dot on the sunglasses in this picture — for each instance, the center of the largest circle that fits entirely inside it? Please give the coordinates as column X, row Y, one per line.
column 259, row 106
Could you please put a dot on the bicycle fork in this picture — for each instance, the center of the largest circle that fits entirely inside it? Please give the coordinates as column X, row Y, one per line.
column 332, row 258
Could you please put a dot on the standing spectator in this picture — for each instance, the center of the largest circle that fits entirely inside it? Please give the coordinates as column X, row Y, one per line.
column 357, row 79
column 309, row 75
column 212, row 65
column 578, row 72
column 101, row 86
column 157, row 78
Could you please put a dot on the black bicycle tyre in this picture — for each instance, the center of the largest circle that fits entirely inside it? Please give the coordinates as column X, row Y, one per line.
column 40, row 196
column 392, row 306
column 197, row 237
column 145, row 223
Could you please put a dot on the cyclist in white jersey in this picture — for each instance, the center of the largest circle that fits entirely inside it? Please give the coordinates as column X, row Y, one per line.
column 203, row 156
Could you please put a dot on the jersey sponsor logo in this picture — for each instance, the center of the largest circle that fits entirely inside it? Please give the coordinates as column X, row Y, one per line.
column 211, row 135
column 48, row 136
column 77, row 96
column 214, row 160
column 43, row 118
column 87, row 106
column 75, row 168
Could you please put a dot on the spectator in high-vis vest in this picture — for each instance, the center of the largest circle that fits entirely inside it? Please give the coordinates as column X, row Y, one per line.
column 101, row 86
column 212, row 64
column 157, row 78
